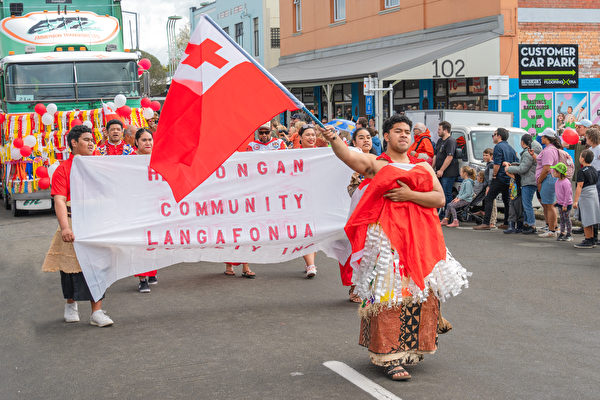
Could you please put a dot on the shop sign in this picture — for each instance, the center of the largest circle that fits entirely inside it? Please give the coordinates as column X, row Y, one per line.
column 535, row 111
column 548, row 66
column 457, row 87
column 369, row 105
column 49, row 28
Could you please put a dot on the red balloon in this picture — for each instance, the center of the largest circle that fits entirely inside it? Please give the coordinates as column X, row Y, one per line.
column 569, row 136
column 76, row 122
column 26, row 151
column 140, row 71
column 41, row 172
column 146, row 102
column 2, row 118
column 145, row 63
column 124, row 111
column 18, row 143
column 44, row 183
column 40, row 108
column 155, row 105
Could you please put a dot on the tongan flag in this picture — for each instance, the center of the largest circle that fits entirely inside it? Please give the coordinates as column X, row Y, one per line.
column 219, row 95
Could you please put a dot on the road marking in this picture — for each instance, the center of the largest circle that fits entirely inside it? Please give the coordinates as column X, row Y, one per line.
column 361, row 381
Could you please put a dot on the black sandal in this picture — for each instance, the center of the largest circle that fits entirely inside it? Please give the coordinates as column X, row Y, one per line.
column 393, row 370
column 249, row 274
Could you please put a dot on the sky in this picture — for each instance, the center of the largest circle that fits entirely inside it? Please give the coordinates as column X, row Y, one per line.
column 152, row 17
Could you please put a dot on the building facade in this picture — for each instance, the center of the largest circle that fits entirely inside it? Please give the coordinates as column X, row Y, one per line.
column 253, row 24
column 431, row 54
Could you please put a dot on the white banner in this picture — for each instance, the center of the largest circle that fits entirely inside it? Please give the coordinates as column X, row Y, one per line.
column 258, row 207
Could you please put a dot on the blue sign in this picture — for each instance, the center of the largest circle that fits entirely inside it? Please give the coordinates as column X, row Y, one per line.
column 369, row 105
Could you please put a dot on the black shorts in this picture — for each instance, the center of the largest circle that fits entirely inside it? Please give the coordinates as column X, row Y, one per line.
column 75, row 287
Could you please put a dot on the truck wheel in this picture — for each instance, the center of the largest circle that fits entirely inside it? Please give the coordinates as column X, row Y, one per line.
column 6, row 201
column 17, row 212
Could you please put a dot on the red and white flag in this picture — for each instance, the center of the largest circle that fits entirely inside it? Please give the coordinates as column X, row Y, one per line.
column 219, row 95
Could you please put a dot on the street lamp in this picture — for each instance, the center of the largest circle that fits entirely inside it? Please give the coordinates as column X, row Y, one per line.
column 172, row 43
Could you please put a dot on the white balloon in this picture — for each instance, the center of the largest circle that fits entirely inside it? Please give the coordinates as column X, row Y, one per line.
column 51, row 109
column 112, row 106
column 15, row 153
column 148, row 113
column 88, row 124
column 29, row 140
column 47, row 119
column 52, row 168
column 120, row 100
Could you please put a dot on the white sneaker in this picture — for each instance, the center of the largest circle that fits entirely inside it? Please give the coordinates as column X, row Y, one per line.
column 71, row 312
column 311, row 271
column 100, row 319
column 548, row 234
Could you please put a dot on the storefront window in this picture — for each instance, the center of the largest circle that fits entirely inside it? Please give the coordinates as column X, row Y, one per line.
column 457, row 87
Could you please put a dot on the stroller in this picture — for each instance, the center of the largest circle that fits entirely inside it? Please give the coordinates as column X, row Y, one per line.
column 468, row 212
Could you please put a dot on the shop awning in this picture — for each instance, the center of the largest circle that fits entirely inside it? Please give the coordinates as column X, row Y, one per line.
column 401, row 53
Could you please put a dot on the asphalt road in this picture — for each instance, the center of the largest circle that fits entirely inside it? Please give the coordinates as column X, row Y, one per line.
column 527, row 328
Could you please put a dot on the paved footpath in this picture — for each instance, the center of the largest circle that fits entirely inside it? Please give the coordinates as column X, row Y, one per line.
column 527, row 328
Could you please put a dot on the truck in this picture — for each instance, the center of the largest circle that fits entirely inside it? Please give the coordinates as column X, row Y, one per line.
column 69, row 53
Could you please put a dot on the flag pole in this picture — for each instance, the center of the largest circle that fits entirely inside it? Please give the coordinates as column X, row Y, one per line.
column 313, row 117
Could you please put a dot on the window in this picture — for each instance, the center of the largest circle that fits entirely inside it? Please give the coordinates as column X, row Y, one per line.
column 275, row 38
column 391, row 3
column 256, row 44
column 239, row 34
column 226, row 29
column 298, row 15
column 339, row 10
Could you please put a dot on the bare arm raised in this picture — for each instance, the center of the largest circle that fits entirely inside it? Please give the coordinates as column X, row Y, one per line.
column 364, row 164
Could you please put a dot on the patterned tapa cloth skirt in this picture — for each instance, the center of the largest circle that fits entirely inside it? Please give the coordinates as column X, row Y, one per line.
column 61, row 255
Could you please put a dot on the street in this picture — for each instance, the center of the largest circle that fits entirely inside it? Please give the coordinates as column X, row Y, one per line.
column 526, row 328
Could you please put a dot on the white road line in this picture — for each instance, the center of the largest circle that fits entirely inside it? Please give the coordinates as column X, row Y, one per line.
column 361, row 381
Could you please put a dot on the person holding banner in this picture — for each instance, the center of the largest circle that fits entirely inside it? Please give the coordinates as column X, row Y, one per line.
column 61, row 255
column 402, row 268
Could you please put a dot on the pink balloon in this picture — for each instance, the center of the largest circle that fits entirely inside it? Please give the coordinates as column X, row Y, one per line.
column 568, row 96
column 531, row 113
column 523, row 103
column 532, row 131
column 531, row 96
column 547, row 96
column 540, row 122
column 548, row 113
column 145, row 63
column 524, row 122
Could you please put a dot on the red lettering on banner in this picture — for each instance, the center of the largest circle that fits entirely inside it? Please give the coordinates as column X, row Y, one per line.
column 168, row 238
column 308, row 231
column 153, row 175
column 217, row 208
column 150, row 242
column 250, row 205
column 267, row 201
column 290, row 233
column 242, row 170
column 262, row 167
column 283, row 197
column 237, row 247
column 298, row 200
column 284, row 251
column 236, row 235
column 254, row 248
column 231, row 210
column 298, row 166
column 184, row 208
column 254, row 234
column 201, row 209
column 220, row 237
column 297, row 249
column 202, row 237
column 221, row 172
column 273, row 233
column 280, row 168
column 163, row 211
column 184, row 236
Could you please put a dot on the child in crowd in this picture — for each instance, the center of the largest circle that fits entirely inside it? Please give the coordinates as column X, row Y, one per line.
column 586, row 199
column 515, row 208
column 488, row 159
column 564, row 200
column 464, row 197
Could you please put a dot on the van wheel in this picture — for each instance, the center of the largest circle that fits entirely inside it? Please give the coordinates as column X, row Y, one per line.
column 17, row 212
column 6, row 201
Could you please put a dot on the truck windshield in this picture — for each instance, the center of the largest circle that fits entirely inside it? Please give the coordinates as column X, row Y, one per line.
column 483, row 140
column 71, row 81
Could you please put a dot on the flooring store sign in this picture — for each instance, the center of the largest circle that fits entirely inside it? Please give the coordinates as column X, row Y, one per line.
column 548, row 66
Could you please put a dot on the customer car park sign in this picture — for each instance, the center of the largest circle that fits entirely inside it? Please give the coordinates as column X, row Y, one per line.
column 548, row 66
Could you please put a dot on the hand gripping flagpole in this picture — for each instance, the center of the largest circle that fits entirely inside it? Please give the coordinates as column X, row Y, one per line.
column 297, row 102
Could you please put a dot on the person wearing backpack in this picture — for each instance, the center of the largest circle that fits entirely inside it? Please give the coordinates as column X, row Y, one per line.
column 548, row 157
column 422, row 146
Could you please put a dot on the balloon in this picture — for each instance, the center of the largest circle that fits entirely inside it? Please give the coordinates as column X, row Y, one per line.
column 88, row 124
column 41, row 172
column 40, row 109
column 140, row 71
column 124, row 111
column 52, row 168
column 51, row 109
column 76, row 122
column 148, row 113
column 15, row 153
column 112, row 106
column 18, row 143
column 145, row 102
column 120, row 100
column 25, row 151
column 145, row 63
column 569, row 136
column 44, row 183
column 47, row 119
column 2, row 118
column 155, row 105
column 30, row 140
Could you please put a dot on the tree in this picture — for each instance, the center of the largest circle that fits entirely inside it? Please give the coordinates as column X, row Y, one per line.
column 158, row 75
column 181, row 42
